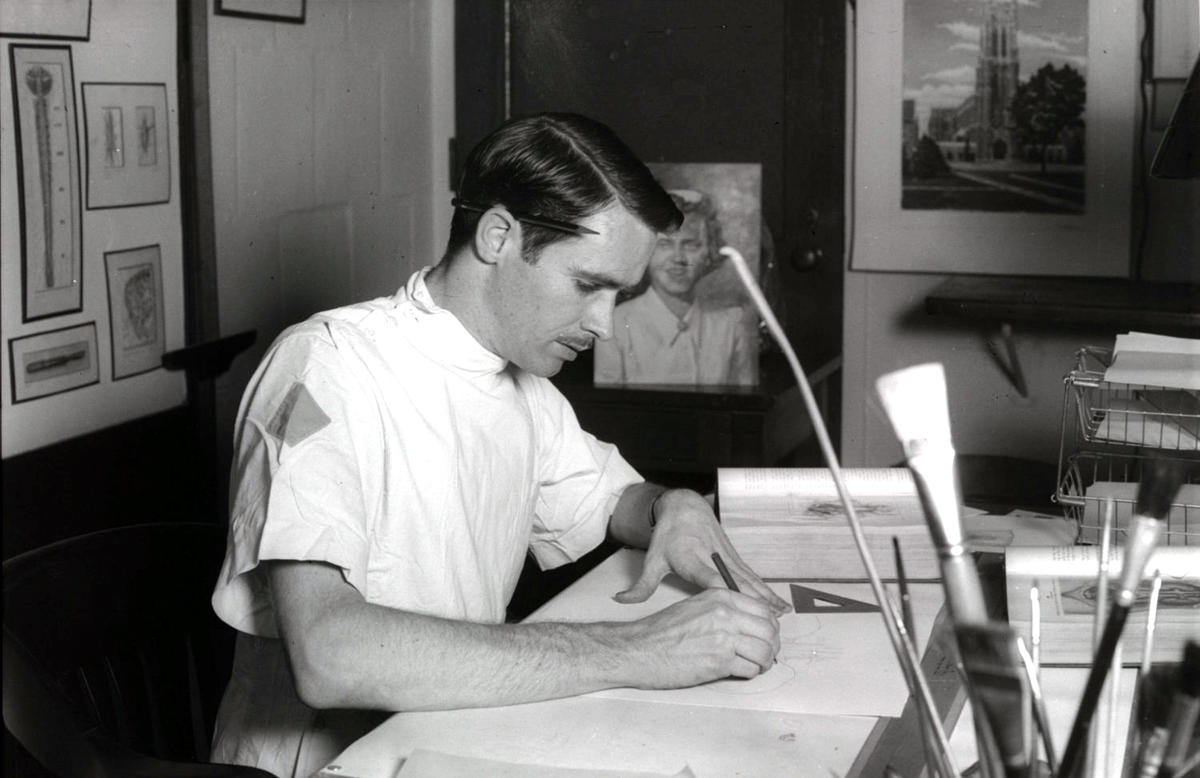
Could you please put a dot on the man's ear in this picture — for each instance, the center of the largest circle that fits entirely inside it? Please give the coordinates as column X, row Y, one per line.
column 496, row 235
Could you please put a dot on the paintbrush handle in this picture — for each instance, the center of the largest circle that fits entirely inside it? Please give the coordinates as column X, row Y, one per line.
column 1074, row 752
column 964, row 593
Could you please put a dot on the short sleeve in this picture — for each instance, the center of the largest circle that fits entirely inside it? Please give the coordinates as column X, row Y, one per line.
column 297, row 491
column 580, row 480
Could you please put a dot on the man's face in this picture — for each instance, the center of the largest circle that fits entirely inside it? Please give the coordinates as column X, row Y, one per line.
column 549, row 311
column 680, row 258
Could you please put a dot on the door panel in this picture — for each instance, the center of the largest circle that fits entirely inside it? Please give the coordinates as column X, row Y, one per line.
column 692, row 81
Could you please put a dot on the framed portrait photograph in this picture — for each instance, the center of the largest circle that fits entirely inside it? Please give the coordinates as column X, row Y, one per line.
column 291, row 11
column 69, row 19
column 994, row 137
column 48, row 192
column 128, row 151
column 53, row 362
column 135, row 309
column 689, row 324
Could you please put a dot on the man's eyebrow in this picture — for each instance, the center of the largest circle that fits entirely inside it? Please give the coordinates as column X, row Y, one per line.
column 602, row 280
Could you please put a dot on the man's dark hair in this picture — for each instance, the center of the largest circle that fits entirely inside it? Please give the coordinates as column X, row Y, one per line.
column 557, row 166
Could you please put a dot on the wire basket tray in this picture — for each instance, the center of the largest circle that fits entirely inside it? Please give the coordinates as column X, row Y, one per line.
column 1109, row 431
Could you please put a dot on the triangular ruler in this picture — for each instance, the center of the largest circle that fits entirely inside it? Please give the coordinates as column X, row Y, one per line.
column 805, row 600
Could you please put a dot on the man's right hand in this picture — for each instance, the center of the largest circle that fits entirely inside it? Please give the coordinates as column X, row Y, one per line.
column 712, row 635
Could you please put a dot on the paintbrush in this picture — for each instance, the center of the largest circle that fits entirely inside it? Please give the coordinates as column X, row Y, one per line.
column 1185, row 709
column 915, row 402
column 910, row 664
column 1040, row 713
column 995, row 670
column 1160, row 482
column 914, row 399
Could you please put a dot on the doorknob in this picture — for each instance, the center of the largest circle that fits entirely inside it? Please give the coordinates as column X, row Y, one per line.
column 806, row 254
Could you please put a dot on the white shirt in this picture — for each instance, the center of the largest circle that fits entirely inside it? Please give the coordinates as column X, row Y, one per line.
column 384, row 439
column 651, row 345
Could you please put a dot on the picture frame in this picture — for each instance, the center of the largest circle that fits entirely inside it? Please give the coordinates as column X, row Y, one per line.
column 66, row 19
column 1090, row 237
column 135, row 309
column 689, row 325
column 48, row 187
column 127, row 132
column 53, row 362
column 290, row 11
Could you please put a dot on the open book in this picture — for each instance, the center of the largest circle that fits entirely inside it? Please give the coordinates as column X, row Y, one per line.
column 1066, row 578
column 789, row 522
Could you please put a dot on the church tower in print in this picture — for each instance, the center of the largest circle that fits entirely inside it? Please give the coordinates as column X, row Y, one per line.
column 996, row 78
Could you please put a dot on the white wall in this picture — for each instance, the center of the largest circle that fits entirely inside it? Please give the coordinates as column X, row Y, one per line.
column 330, row 145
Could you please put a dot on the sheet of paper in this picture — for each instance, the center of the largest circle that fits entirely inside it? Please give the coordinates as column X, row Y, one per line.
column 1017, row 528
column 1148, row 341
column 1140, row 423
column 1152, row 368
column 590, row 733
column 1183, row 521
column 835, row 657
column 436, row 764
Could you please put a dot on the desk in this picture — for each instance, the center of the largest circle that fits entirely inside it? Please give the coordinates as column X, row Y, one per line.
column 622, row 735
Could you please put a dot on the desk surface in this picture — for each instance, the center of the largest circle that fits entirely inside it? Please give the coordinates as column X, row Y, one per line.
column 623, row 736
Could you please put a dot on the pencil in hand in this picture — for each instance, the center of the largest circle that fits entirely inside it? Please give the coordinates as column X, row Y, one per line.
column 730, row 584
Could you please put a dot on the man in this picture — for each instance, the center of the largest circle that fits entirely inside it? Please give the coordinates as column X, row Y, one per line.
column 396, row 459
column 665, row 335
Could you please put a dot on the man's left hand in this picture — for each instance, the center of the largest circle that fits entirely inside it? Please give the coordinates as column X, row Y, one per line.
column 685, row 536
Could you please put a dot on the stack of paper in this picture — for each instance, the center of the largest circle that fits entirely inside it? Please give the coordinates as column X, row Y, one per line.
column 1066, row 579
column 1183, row 521
column 1153, row 419
column 1144, row 359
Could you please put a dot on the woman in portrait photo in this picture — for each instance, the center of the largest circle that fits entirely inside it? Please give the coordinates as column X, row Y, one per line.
column 666, row 335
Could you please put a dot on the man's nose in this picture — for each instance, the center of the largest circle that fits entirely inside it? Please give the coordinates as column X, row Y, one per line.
column 598, row 318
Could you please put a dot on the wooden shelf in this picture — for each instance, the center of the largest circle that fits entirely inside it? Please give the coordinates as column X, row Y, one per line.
column 1112, row 303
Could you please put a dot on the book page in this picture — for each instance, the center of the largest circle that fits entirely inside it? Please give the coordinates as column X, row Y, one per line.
column 1066, row 578
column 807, row 496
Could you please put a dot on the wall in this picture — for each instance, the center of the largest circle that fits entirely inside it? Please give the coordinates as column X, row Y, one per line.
column 885, row 329
column 130, row 41
column 330, row 145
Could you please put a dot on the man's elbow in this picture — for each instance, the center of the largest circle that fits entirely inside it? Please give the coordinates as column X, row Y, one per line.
column 321, row 681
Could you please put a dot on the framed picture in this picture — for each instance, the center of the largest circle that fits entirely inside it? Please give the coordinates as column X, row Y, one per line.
column 53, row 362
column 135, row 309
column 291, row 11
column 128, row 151
column 689, row 325
column 70, row 19
column 994, row 138
column 48, row 196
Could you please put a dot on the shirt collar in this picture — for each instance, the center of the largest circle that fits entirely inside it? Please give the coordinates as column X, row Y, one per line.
column 450, row 342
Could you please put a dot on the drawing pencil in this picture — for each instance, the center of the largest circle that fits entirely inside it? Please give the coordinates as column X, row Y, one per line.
column 726, row 576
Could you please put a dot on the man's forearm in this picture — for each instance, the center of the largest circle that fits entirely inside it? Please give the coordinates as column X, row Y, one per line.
column 415, row 662
column 348, row 653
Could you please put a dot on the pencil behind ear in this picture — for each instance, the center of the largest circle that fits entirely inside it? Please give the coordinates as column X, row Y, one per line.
column 496, row 233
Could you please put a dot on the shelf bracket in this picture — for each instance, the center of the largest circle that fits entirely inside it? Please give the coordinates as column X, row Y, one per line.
column 1005, row 356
